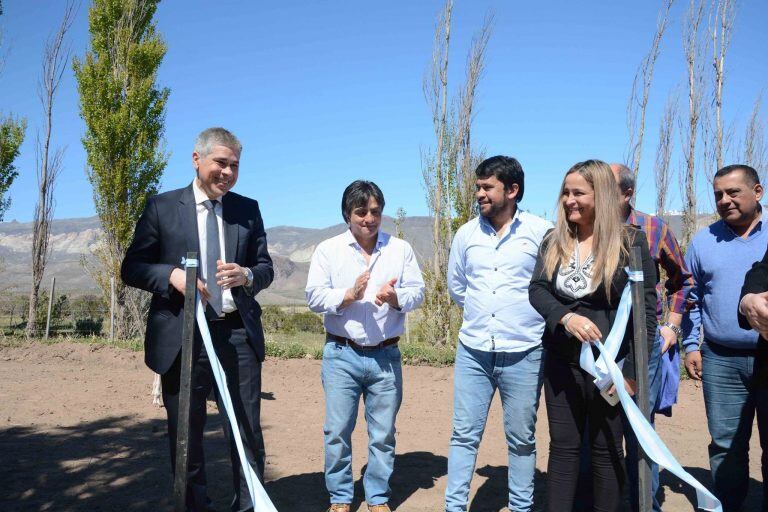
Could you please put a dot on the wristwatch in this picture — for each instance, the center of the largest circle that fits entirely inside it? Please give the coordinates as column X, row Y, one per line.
column 248, row 276
column 675, row 329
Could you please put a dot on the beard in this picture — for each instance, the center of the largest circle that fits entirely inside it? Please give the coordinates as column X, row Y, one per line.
column 493, row 209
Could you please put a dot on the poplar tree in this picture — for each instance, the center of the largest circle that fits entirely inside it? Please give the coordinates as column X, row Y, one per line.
column 124, row 113
column 11, row 136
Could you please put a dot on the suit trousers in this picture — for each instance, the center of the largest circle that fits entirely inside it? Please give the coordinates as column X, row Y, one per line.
column 243, row 371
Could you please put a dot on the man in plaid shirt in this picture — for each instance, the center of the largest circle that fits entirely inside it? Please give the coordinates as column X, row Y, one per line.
column 664, row 361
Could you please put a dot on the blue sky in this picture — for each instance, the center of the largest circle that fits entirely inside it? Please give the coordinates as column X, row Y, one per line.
column 322, row 93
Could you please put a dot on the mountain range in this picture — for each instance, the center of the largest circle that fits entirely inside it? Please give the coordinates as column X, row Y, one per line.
column 73, row 240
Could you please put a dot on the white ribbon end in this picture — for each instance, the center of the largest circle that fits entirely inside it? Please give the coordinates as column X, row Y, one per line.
column 191, row 262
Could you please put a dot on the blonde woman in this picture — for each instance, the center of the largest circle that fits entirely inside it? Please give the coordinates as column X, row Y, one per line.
column 576, row 287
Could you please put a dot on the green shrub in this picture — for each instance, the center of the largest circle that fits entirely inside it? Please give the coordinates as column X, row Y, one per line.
column 306, row 322
column 88, row 326
column 274, row 319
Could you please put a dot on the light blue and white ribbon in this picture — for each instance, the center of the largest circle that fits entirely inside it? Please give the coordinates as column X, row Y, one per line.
column 259, row 497
column 607, row 372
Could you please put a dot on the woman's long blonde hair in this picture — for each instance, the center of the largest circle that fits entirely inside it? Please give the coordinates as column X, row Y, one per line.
column 610, row 240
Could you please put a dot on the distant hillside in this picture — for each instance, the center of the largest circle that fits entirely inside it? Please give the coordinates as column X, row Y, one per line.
column 74, row 239
column 291, row 248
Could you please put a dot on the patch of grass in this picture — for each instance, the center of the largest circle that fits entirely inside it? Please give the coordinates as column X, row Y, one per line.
column 421, row 354
column 134, row 345
column 310, row 346
column 297, row 345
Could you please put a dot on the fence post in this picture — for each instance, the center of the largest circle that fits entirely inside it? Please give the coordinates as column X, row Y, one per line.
column 112, row 309
column 641, row 368
column 185, row 385
column 407, row 328
column 50, row 307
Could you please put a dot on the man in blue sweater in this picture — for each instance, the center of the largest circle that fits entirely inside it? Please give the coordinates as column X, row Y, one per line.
column 718, row 257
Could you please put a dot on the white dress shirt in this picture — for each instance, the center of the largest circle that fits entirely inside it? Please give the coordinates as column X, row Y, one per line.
column 337, row 263
column 227, row 302
column 489, row 274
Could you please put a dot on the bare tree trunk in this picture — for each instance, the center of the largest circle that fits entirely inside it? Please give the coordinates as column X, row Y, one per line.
column 463, row 193
column 442, row 116
column 434, row 173
column 664, row 150
column 754, row 151
column 55, row 59
column 446, row 171
column 721, row 32
column 693, row 50
column 638, row 101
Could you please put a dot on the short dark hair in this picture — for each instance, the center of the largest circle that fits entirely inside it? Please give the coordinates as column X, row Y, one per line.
column 357, row 194
column 506, row 169
column 749, row 173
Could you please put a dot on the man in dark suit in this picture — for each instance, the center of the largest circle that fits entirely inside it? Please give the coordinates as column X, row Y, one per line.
column 753, row 306
column 753, row 314
column 227, row 231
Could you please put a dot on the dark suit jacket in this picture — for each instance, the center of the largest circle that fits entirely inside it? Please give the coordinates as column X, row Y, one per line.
column 552, row 306
column 756, row 281
column 166, row 231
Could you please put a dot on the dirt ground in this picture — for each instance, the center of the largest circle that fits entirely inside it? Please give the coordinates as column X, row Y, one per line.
column 78, row 432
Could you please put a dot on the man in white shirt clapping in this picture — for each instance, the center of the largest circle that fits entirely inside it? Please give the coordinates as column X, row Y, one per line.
column 364, row 281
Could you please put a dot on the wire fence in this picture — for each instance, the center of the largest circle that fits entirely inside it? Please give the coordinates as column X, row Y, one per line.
column 58, row 314
column 77, row 315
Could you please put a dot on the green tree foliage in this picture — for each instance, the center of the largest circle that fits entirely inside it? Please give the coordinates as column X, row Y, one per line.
column 11, row 136
column 124, row 112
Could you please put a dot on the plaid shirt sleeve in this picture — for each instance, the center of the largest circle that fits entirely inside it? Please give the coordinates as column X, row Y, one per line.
column 679, row 279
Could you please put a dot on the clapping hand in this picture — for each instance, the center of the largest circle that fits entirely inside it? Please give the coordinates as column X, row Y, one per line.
column 387, row 294
column 358, row 289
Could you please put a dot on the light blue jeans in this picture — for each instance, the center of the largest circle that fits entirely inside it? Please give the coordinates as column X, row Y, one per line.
column 477, row 376
column 376, row 375
column 732, row 397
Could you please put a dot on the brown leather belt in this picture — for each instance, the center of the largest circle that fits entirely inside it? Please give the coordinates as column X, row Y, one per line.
column 353, row 343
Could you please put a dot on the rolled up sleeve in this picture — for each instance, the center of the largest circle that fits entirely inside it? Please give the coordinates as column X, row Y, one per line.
column 410, row 290
column 322, row 297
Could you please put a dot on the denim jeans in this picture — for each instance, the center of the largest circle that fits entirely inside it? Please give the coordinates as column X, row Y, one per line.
column 654, row 385
column 347, row 374
column 518, row 377
column 731, row 398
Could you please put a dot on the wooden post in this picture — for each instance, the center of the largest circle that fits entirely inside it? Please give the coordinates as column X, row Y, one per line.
column 50, row 307
column 407, row 329
column 187, row 337
column 112, row 309
column 641, row 368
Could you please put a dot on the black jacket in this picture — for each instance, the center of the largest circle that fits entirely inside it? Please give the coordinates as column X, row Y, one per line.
column 756, row 281
column 596, row 306
column 166, row 231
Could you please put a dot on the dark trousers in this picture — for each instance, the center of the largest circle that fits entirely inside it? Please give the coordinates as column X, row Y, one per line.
column 576, row 409
column 243, row 370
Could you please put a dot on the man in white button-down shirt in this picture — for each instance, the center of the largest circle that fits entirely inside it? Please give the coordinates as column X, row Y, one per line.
column 364, row 281
column 489, row 269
